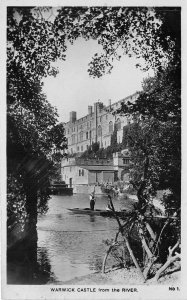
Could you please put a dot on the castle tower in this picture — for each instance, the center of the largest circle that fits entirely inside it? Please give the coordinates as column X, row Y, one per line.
column 73, row 116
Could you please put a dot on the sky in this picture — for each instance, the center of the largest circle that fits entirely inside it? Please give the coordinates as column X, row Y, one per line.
column 73, row 89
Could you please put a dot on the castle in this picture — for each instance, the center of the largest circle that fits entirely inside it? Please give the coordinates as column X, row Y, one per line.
column 96, row 126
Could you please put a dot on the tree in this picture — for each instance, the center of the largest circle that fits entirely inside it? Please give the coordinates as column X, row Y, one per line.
column 144, row 32
column 35, row 139
column 154, row 141
column 113, row 140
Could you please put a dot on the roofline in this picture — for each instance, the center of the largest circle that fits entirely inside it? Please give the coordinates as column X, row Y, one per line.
column 108, row 106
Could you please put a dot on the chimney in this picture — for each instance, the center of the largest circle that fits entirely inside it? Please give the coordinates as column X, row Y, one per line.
column 95, row 106
column 73, row 116
column 109, row 102
column 89, row 109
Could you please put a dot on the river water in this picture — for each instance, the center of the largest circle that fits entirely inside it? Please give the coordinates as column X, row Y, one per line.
column 72, row 245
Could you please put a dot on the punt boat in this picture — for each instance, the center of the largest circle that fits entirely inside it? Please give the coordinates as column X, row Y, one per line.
column 99, row 212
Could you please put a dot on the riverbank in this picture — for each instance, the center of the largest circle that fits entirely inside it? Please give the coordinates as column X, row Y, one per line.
column 121, row 277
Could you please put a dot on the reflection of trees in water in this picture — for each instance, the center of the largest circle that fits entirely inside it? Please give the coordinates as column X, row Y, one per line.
column 43, row 273
column 26, row 265
column 92, row 218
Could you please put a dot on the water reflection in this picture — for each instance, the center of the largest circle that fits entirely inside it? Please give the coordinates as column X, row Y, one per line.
column 68, row 246
column 44, row 274
column 92, row 218
column 74, row 242
column 59, row 216
column 29, row 266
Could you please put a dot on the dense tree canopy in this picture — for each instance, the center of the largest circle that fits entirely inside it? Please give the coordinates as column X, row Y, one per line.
column 146, row 33
column 35, row 139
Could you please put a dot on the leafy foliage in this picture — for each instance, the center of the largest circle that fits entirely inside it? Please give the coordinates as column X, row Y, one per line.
column 35, row 139
column 16, row 211
column 141, row 32
column 115, row 146
column 157, row 134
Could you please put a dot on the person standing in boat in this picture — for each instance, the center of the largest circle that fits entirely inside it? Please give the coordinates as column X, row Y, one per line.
column 92, row 201
column 109, row 207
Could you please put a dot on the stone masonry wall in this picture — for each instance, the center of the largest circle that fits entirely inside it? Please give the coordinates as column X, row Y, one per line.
column 82, row 133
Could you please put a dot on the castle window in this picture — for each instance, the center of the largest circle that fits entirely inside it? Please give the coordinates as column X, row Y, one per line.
column 81, row 136
column 106, row 117
column 81, row 148
column 77, row 148
column 126, row 161
column 86, row 135
column 81, row 172
column 118, row 124
column 99, row 130
column 73, row 139
column 110, row 127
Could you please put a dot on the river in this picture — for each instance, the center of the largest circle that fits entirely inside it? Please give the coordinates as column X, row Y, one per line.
column 72, row 245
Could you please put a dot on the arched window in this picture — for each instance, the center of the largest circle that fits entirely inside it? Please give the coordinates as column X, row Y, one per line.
column 110, row 127
column 73, row 139
column 118, row 124
column 99, row 130
column 81, row 136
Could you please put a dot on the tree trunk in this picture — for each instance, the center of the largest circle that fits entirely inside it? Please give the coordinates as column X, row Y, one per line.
column 150, row 230
column 127, row 242
column 169, row 261
column 23, row 254
column 30, row 186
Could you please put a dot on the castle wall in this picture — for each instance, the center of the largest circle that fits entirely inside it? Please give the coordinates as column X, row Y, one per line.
column 82, row 133
column 78, row 175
